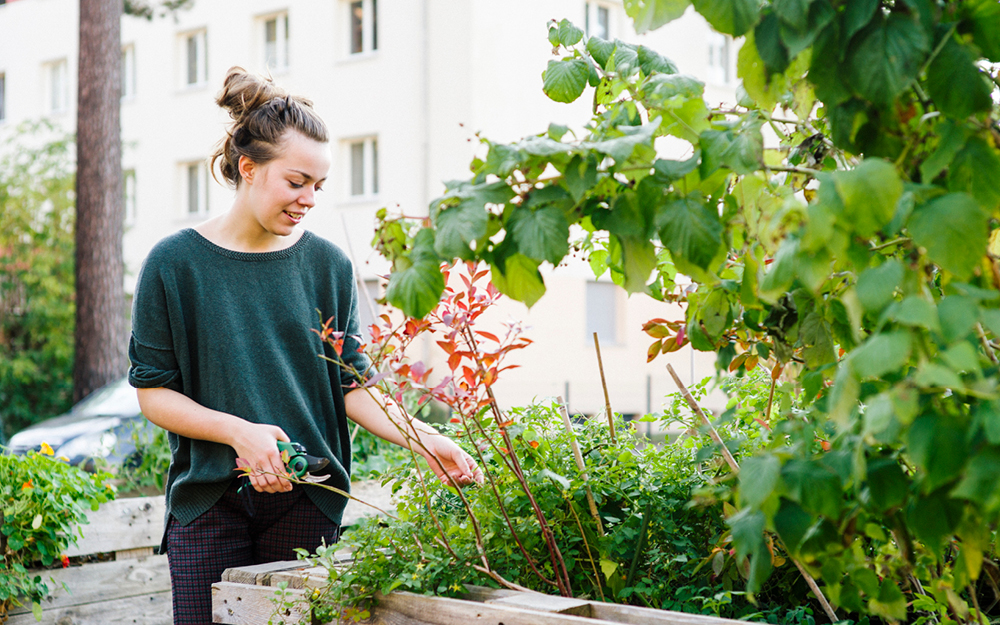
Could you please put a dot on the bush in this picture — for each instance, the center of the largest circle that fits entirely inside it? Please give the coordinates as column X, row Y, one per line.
column 42, row 501
column 37, row 311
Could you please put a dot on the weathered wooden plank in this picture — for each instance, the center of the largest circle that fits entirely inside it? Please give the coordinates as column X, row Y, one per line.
column 311, row 578
column 122, row 524
column 444, row 611
column 260, row 574
column 643, row 616
column 240, row 604
column 485, row 593
column 154, row 609
column 105, row 581
column 544, row 603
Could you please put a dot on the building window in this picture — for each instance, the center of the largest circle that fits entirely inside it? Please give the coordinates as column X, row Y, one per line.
column 363, row 157
column 369, row 291
column 128, row 72
column 363, row 26
column 196, row 186
column 3, row 97
column 602, row 312
column 718, row 58
column 57, row 86
column 195, row 58
column 276, row 42
column 128, row 183
column 597, row 21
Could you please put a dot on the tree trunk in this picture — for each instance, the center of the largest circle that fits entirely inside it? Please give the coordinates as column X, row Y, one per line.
column 100, row 299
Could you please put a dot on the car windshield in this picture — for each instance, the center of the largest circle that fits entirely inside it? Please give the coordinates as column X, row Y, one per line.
column 114, row 399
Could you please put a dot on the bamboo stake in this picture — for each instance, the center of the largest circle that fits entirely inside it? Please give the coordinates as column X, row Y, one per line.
column 578, row 457
column 731, row 461
column 604, row 383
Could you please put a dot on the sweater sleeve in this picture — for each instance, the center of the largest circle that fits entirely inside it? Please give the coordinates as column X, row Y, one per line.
column 356, row 367
column 150, row 348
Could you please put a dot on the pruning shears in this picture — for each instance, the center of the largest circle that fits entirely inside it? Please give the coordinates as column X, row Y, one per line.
column 301, row 464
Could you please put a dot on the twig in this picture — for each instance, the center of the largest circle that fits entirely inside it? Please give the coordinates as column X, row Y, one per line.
column 736, row 468
column 502, row 581
column 896, row 241
column 794, row 170
column 730, row 460
column 579, row 464
column 975, row 603
column 586, row 545
column 604, row 383
column 986, row 344
column 643, row 531
column 830, row 614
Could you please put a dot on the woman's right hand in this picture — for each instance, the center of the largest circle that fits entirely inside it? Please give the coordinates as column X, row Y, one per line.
column 257, row 445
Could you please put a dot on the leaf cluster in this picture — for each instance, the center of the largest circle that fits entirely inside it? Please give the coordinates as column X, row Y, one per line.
column 42, row 503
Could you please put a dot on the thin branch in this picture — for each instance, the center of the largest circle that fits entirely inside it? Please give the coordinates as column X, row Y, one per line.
column 578, row 457
column 882, row 246
column 794, row 170
column 712, row 432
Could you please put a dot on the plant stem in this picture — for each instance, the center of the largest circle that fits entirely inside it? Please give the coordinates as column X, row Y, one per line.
column 830, row 614
column 986, row 344
column 643, row 531
column 586, row 545
column 578, row 457
column 607, row 399
column 896, row 241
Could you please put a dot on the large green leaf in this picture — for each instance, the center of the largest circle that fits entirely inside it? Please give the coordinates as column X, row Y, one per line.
column 519, row 279
column 976, row 170
column 649, row 15
column 565, row 80
column 542, row 234
column 793, row 12
column 821, row 13
column 767, row 36
column 792, row 523
column 416, row 282
column 758, row 478
column 887, row 484
column 621, row 147
column 858, row 14
column 690, row 228
column 937, row 445
column 814, row 486
column 953, row 229
column 457, row 227
column 600, row 49
column 881, row 354
column 652, row 62
column 870, row 192
column 876, row 285
column 955, row 83
column 985, row 15
column 980, row 480
column 732, row 17
column 890, row 603
column 958, row 315
column 935, row 517
column 952, row 140
column 885, row 57
column 638, row 262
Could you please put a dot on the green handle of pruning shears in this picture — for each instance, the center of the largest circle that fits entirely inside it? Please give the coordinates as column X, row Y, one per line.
column 299, row 463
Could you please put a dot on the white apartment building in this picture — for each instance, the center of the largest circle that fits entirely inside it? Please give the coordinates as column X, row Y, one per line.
column 405, row 86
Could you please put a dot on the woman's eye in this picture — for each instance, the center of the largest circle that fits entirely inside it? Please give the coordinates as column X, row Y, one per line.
column 295, row 185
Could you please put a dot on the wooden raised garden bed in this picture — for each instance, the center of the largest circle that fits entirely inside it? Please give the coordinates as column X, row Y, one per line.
column 246, row 597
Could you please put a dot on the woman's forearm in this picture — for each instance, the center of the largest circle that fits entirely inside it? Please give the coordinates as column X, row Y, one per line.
column 256, row 443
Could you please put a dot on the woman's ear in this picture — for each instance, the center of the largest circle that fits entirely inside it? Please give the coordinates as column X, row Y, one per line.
column 247, row 169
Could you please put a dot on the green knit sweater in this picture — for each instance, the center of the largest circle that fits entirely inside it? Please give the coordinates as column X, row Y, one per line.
column 233, row 331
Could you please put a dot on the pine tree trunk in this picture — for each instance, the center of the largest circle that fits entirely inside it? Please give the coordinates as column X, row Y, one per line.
column 100, row 301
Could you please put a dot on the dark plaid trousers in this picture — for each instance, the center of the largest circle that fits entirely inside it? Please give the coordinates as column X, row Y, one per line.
column 243, row 528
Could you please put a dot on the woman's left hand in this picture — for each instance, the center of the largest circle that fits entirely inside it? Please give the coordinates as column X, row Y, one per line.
column 447, row 459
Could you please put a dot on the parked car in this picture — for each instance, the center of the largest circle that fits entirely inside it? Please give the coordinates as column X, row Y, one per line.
column 99, row 427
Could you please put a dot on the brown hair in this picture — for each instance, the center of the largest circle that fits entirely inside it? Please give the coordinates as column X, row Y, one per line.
column 262, row 113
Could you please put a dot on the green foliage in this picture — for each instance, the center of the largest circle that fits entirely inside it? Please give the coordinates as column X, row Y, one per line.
column 36, row 277
column 145, row 469
column 371, row 456
column 42, row 502
column 857, row 261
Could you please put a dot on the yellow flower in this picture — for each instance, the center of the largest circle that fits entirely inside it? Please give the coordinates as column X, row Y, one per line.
column 420, row 566
column 456, row 587
column 47, row 449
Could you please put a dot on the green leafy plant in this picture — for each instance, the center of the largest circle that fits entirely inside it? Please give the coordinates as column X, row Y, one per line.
column 145, row 470
column 36, row 276
column 856, row 261
column 42, row 503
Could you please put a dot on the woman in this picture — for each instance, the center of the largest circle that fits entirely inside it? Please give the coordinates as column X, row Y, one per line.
column 224, row 357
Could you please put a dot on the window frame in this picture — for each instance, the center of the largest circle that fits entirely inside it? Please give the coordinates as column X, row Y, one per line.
column 128, row 72
column 282, row 41
column 200, row 38
column 198, row 196
column 369, row 175
column 368, row 26
column 56, row 95
column 591, row 15
column 719, row 71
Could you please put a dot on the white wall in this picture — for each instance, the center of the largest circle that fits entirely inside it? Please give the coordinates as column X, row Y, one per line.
column 444, row 70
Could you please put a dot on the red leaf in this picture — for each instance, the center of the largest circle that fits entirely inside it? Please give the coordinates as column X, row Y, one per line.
column 487, row 335
column 736, row 362
column 455, row 420
column 470, row 376
column 653, row 351
column 447, row 346
column 506, row 424
column 534, row 444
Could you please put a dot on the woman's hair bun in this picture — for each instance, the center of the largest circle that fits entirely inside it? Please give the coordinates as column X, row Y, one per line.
column 262, row 113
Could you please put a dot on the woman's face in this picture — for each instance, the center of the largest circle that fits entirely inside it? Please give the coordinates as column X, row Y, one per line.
column 282, row 191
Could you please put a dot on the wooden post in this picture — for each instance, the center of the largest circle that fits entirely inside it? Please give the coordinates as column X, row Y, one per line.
column 578, row 457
